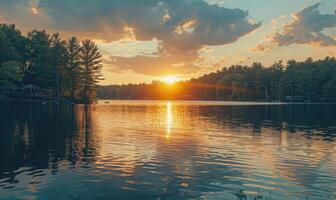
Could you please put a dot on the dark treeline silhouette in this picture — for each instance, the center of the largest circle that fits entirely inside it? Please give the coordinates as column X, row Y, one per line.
column 67, row 69
column 310, row 81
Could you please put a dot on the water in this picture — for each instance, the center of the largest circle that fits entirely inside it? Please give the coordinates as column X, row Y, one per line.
column 167, row 150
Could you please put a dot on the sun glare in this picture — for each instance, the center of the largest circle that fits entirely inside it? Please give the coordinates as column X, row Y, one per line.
column 170, row 79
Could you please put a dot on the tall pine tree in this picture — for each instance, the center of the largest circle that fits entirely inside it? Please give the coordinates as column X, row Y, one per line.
column 91, row 60
column 73, row 68
column 59, row 60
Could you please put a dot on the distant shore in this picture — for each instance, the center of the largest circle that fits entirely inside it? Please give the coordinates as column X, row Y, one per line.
column 4, row 99
column 219, row 102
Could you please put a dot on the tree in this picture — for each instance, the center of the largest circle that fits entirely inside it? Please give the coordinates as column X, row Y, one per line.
column 73, row 68
column 330, row 89
column 59, row 60
column 40, row 71
column 275, row 73
column 261, row 81
column 91, row 60
column 10, row 74
column 7, row 50
column 16, row 40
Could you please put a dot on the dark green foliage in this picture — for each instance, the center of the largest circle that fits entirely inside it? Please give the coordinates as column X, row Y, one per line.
column 49, row 63
column 11, row 56
column 12, row 44
column 10, row 74
column 39, row 67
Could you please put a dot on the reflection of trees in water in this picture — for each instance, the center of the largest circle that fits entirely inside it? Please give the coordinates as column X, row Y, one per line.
column 41, row 136
column 44, row 137
column 311, row 119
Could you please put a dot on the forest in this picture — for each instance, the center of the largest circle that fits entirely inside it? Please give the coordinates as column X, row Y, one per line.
column 308, row 81
column 64, row 69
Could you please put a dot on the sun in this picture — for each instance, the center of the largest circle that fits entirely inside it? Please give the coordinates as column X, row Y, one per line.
column 170, row 79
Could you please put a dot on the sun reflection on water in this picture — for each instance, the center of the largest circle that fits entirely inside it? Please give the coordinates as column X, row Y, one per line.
column 169, row 118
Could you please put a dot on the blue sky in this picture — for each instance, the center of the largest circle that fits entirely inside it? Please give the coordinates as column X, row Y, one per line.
column 150, row 39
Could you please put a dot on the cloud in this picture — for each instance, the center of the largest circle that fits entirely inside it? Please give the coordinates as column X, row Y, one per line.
column 181, row 27
column 130, row 48
column 154, row 66
column 26, row 14
column 261, row 48
column 211, row 25
column 307, row 27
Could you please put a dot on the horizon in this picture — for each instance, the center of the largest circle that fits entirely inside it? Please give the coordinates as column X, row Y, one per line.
column 146, row 41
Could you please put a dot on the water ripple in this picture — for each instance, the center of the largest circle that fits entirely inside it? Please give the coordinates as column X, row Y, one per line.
column 167, row 150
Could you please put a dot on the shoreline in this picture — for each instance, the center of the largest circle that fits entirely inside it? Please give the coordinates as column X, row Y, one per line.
column 148, row 101
column 214, row 102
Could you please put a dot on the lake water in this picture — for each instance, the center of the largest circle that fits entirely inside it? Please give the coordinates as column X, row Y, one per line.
column 167, row 150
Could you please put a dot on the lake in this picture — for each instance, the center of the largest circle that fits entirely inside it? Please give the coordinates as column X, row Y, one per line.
column 167, row 150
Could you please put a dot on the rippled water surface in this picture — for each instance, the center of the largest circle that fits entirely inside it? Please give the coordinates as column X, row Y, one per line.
column 167, row 150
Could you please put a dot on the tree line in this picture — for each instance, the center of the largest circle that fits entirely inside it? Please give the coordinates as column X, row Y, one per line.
column 69, row 69
column 310, row 81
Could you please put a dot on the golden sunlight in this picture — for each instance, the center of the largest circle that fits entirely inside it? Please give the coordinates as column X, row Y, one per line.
column 170, row 79
column 169, row 116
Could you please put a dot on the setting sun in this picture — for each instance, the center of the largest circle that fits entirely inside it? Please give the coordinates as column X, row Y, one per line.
column 170, row 79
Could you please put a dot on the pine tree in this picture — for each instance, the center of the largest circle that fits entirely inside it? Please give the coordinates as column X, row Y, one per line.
column 59, row 61
column 91, row 60
column 74, row 71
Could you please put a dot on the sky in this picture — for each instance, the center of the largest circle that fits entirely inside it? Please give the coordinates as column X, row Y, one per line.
column 146, row 40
